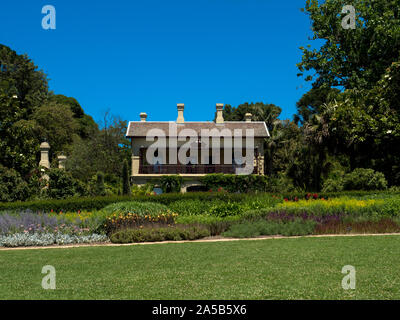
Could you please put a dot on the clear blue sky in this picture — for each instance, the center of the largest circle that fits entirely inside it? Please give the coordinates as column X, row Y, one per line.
column 147, row 56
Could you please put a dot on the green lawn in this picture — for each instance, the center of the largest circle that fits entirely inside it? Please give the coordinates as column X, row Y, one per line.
column 302, row 268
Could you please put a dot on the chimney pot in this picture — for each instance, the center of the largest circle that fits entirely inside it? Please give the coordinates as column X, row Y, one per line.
column 143, row 116
column 220, row 117
column 247, row 117
column 180, row 107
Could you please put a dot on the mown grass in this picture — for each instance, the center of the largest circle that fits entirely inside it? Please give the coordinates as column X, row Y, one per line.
column 302, row 268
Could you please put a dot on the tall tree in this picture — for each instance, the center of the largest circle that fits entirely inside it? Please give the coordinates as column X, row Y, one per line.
column 351, row 58
column 23, row 88
column 312, row 102
column 259, row 110
column 126, row 187
column 105, row 150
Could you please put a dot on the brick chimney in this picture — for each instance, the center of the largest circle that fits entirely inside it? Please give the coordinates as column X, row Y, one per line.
column 180, row 107
column 220, row 117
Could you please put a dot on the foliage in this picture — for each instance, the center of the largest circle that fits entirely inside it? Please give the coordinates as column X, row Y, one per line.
column 12, row 186
column 263, row 227
column 47, row 239
column 139, row 208
column 64, row 205
column 97, row 186
column 259, row 111
column 333, row 185
column 226, row 209
column 150, row 234
column 126, row 187
column 216, row 225
column 142, row 190
column 134, row 220
column 189, row 207
column 171, row 183
column 312, row 101
column 29, row 222
column 248, row 200
column 356, row 225
column 134, row 214
column 236, row 183
column 105, row 150
column 23, row 89
column 62, row 185
column 387, row 207
column 85, row 123
column 352, row 58
column 365, row 179
column 57, row 126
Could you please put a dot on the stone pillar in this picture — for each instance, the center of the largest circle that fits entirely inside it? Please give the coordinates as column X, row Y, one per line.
column 44, row 155
column 61, row 161
column 261, row 165
column 135, row 165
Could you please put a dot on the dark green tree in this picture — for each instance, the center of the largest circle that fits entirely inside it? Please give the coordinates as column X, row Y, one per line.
column 259, row 110
column 312, row 102
column 12, row 186
column 351, row 58
column 23, row 88
column 126, row 187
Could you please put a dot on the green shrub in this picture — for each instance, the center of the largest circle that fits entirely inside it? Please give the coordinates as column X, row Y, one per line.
column 171, row 183
column 150, row 234
column 226, row 209
column 215, row 225
column 264, row 227
column 333, row 185
column 134, row 214
column 236, row 183
column 132, row 220
column 140, row 208
column 189, row 207
column 97, row 186
column 364, row 179
column 394, row 189
column 260, row 200
column 62, row 185
column 70, row 204
column 12, row 186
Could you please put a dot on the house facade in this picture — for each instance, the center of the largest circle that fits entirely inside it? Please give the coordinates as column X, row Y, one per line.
column 194, row 149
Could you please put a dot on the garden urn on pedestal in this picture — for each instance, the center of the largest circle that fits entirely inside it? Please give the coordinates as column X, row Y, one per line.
column 44, row 155
column 61, row 161
column 44, row 158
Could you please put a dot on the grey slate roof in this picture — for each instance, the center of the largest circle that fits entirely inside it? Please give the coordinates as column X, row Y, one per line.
column 140, row 129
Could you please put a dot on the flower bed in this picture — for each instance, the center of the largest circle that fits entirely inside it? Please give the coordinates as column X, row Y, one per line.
column 46, row 239
column 151, row 234
column 373, row 212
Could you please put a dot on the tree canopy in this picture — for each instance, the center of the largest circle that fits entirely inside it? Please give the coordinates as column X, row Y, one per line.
column 351, row 58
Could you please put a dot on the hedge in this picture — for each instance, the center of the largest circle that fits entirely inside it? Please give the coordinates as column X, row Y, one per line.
column 237, row 183
column 175, row 233
column 70, row 204
column 96, row 203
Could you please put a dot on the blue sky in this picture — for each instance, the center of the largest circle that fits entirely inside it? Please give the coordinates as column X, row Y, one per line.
column 147, row 56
